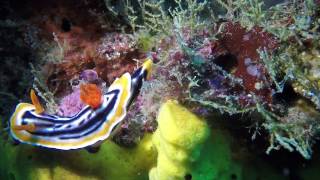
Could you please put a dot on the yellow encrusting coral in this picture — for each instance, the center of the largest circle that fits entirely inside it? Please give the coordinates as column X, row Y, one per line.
column 178, row 140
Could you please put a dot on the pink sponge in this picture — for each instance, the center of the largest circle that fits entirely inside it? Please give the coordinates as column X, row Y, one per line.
column 70, row 104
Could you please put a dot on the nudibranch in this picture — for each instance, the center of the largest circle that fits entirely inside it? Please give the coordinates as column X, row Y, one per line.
column 91, row 126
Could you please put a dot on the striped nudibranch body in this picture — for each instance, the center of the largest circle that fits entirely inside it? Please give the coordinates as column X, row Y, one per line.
column 87, row 127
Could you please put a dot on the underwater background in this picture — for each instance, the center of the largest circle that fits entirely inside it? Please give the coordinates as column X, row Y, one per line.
column 233, row 94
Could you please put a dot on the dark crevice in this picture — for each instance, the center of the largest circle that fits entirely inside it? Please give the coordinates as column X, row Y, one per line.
column 188, row 177
column 228, row 62
column 288, row 96
column 66, row 25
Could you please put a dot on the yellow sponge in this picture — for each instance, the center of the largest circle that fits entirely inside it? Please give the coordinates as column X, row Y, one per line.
column 178, row 140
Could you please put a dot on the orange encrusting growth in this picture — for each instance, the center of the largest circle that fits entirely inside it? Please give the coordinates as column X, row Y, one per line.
column 91, row 95
column 36, row 102
column 28, row 127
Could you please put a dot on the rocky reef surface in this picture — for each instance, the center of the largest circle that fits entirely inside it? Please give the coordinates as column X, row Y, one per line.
column 234, row 92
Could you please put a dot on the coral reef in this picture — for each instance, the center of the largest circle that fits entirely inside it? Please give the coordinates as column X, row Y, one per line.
column 242, row 63
column 249, row 60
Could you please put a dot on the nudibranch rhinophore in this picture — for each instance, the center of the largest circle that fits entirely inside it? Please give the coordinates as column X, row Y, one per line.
column 88, row 127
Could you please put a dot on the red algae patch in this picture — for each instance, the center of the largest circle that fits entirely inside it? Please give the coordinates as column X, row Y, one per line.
column 244, row 45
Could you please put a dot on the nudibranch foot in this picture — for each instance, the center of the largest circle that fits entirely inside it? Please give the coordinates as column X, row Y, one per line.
column 15, row 142
column 116, row 129
column 93, row 149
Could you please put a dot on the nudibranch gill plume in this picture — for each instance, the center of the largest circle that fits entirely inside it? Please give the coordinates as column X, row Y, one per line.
column 90, row 126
